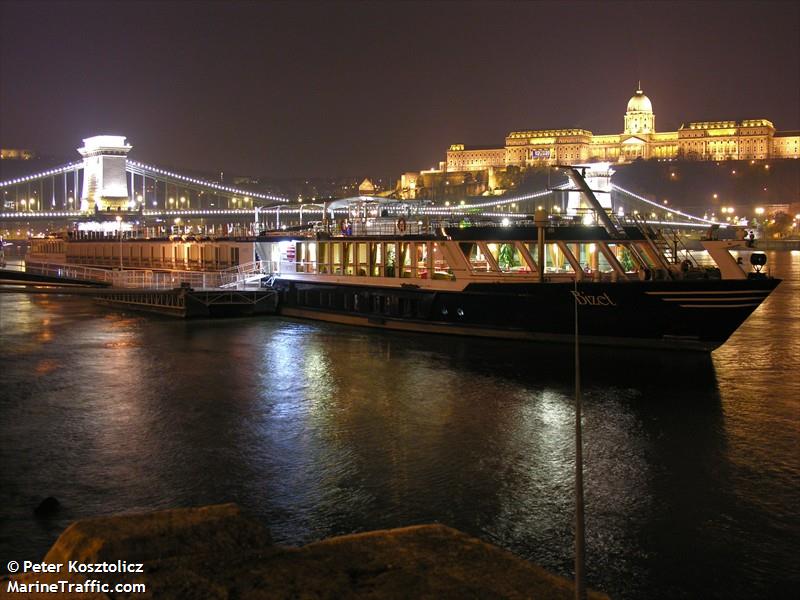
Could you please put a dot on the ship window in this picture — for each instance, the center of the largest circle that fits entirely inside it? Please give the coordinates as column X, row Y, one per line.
column 475, row 257
column 405, row 259
column 375, row 259
column 625, row 257
column 361, row 259
column 337, row 258
column 602, row 263
column 555, row 260
column 441, row 268
column 643, row 254
column 322, row 257
column 309, row 258
column 586, row 255
column 300, row 257
column 421, row 251
column 508, row 257
column 348, row 258
column 391, row 258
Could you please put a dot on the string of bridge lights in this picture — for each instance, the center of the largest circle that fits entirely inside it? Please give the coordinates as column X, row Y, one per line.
column 656, row 204
column 456, row 209
column 49, row 173
column 504, row 200
column 203, row 182
column 142, row 171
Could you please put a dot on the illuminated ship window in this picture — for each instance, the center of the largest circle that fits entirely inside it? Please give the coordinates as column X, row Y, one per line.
column 405, row 259
column 441, row 268
column 477, row 260
column 556, row 260
column 508, row 257
column 626, row 257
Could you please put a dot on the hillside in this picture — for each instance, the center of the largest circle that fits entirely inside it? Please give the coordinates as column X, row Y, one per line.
column 699, row 187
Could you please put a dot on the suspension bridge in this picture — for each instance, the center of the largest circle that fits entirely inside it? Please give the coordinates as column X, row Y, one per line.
column 107, row 186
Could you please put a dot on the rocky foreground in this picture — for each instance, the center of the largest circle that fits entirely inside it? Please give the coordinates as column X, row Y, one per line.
column 218, row 552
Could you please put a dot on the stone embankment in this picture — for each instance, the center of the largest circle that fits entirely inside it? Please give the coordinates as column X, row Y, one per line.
column 216, row 552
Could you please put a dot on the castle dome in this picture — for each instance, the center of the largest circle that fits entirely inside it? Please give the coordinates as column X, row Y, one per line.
column 639, row 102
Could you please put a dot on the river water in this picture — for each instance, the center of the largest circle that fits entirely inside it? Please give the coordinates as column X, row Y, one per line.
column 692, row 462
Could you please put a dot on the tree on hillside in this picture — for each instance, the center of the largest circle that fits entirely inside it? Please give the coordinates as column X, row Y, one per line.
column 779, row 226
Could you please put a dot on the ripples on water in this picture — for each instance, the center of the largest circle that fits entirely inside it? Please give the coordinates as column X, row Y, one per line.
column 692, row 463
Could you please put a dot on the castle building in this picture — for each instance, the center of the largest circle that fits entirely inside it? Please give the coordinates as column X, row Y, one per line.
column 699, row 140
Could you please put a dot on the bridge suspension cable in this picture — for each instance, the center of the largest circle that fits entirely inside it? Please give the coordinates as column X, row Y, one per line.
column 661, row 207
column 156, row 173
column 459, row 208
column 48, row 173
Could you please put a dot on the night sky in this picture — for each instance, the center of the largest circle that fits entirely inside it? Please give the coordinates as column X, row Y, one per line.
column 324, row 89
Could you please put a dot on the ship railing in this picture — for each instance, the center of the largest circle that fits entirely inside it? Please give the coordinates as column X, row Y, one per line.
column 383, row 226
column 137, row 278
column 145, row 279
column 670, row 247
column 76, row 272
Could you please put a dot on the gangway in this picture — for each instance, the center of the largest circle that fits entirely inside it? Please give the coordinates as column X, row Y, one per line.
column 243, row 275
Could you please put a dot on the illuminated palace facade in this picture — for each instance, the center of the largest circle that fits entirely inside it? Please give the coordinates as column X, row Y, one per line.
column 703, row 140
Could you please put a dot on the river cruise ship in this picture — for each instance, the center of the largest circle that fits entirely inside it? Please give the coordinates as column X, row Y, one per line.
column 633, row 285
column 518, row 282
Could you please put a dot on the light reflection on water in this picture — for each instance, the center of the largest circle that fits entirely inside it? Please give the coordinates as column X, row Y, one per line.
column 692, row 467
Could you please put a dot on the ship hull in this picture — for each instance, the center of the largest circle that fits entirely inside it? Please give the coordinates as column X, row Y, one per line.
column 683, row 315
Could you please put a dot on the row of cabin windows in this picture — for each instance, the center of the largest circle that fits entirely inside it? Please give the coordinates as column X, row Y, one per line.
column 419, row 259
column 518, row 257
column 373, row 259
column 149, row 255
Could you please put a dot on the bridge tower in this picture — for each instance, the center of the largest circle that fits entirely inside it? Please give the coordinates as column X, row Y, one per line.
column 105, row 184
column 598, row 178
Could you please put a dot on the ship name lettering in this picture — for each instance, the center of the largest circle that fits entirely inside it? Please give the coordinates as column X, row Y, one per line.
column 593, row 300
